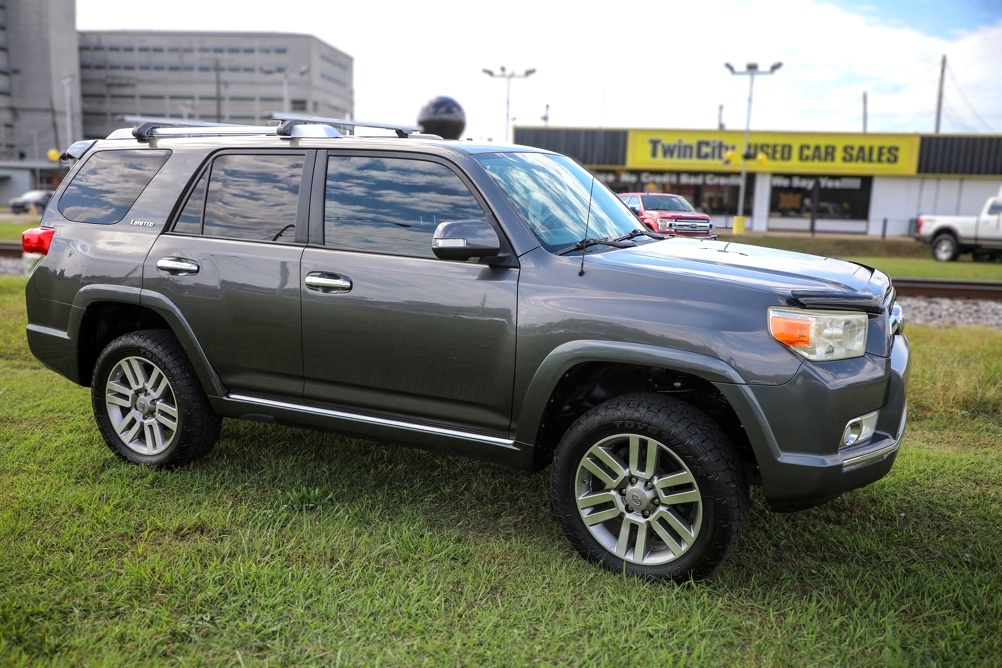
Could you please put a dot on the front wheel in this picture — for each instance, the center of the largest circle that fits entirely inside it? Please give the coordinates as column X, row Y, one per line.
column 649, row 485
column 148, row 403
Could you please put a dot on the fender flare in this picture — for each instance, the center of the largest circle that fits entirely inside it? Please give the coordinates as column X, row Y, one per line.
column 163, row 307
column 573, row 353
column 722, row 375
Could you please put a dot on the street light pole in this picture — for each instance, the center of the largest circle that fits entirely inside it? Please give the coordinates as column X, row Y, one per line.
column 505, row 74
column 285, row 83
column 751, row 69
column 68, row 89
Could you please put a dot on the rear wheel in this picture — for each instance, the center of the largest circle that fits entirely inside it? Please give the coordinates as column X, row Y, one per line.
column 648, row 485
column 945, row 248
column 148, row 403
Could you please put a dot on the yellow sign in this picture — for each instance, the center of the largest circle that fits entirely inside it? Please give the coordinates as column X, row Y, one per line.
column 798, row 153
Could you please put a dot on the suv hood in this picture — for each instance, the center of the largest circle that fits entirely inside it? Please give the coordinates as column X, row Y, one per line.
column 811, row 279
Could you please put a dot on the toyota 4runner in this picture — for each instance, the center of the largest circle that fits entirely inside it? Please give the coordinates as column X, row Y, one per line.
column 493, row 301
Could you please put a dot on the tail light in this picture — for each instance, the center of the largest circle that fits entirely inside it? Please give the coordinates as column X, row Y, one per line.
column 37, row 240
column 918, row 226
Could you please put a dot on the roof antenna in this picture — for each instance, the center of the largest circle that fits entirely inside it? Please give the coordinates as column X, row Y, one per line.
column 587, row 220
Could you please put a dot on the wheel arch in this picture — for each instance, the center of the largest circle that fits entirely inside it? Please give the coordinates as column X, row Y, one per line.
column 580, row 374
column 104, row 313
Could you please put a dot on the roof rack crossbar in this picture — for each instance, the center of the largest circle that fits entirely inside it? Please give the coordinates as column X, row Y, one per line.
column 400, row 130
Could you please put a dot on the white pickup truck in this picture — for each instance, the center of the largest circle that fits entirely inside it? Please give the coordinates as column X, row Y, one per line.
column 980, row 235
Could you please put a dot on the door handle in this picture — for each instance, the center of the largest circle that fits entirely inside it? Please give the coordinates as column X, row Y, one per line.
column 177, row 266
column 323, row 282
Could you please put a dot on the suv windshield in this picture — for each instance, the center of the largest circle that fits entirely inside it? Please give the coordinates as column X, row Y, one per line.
column 662, row 203
column 556, row 196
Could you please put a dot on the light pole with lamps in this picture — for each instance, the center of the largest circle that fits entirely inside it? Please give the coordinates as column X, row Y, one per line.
column 751, row 69
column 502, row 73
column 68, row 89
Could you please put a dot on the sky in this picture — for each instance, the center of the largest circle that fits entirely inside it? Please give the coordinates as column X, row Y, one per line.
column 642, row 64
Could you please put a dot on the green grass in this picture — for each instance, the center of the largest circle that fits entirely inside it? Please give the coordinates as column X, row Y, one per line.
column 834, row 246
column 10, row 230
column 288, row 547
column 900, row 267
column 898, row 257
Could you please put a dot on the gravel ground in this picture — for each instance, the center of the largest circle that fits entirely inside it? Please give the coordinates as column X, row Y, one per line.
column 943, row 312
column 918, row 310
column 10, row 266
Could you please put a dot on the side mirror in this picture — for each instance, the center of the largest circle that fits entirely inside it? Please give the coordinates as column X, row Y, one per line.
column 465, row 239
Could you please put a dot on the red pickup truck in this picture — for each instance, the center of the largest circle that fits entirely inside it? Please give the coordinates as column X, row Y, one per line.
column 669, row 214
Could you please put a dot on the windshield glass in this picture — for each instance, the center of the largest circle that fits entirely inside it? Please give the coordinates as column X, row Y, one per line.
column 663, row 203
column 556, row 196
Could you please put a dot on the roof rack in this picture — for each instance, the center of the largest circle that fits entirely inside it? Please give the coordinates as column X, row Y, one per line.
column 291, row 126
column 349, row 125
column 147, row 127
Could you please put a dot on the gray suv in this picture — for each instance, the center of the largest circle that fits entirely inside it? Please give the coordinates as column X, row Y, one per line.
column 492, row 301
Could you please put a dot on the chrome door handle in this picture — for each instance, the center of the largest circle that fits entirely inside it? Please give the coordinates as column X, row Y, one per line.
column 177, row 266
column 327, row 282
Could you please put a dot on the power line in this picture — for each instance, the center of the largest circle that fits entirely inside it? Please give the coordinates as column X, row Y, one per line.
column 967, row 102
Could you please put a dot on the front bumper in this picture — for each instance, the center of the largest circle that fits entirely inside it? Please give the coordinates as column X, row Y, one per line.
column 796, row 429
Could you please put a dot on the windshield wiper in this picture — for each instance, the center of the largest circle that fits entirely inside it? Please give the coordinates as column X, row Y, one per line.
column 637, row 232
column 589, row 241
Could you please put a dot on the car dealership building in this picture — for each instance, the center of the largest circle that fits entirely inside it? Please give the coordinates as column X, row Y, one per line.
column 866, row 183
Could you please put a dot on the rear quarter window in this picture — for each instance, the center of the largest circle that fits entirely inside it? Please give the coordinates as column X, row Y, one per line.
column 108, row 184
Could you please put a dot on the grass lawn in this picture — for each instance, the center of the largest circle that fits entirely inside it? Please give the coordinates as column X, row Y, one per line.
column 11, row 227
column 896, row 257
column 903, row 267
column 288, row 547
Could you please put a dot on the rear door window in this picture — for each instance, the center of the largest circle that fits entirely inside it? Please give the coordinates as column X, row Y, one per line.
column 246, row 196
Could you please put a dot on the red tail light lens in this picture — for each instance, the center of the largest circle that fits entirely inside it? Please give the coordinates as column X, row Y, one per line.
column 918, row 226
column 37, row 240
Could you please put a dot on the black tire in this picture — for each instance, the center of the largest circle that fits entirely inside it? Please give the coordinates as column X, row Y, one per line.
column 682, row 509
column 148, row 402
column 945, row 248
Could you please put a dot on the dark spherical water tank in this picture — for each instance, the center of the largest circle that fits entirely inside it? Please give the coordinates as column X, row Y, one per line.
column 442, row 116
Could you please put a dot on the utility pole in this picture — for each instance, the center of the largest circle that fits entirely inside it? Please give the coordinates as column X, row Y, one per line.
column 720, row 117
column 219, row 94
column 939, row 96
column 864, row 112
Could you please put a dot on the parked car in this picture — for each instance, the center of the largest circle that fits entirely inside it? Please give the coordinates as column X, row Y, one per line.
column 477, row 299
column 668, row 213
column 36, row 198
column 951, row 236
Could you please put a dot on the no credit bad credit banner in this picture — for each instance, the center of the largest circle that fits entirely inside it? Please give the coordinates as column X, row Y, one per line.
column 800, row 153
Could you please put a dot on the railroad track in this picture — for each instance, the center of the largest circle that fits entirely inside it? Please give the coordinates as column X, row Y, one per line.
column 10, row 249
column 933, row 287
column 906, row 287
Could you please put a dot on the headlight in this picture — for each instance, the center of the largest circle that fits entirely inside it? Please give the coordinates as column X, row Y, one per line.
column 819, row 335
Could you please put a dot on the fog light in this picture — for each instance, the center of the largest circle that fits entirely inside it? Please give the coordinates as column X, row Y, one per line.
column 860, row 429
